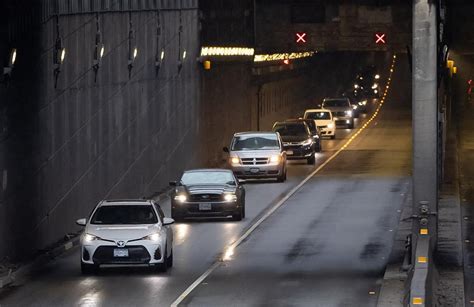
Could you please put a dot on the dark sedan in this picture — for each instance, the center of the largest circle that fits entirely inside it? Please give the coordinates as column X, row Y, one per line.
column 297, row 140
column 208, row 193
column 313, row 129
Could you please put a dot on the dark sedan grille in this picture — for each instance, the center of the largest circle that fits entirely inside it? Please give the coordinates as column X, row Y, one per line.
column 254, row 161
column 341, row 113
column 205, row 197
column 136, row 255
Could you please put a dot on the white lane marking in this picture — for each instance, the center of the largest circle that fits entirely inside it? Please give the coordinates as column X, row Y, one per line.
column 230, row 249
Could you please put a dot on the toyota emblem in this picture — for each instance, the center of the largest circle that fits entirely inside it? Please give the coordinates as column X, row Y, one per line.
column 120, row 243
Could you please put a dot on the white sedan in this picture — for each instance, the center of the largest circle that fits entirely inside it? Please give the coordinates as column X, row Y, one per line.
column 324, row 120
column 126, row 232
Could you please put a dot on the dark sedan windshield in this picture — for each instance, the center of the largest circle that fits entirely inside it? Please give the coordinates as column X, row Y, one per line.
column 335, row 103
column 291, row 129
column 124, row 215
column 207, row 177
column 264, row 142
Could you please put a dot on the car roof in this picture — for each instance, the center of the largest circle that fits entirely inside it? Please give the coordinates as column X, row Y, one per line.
column 335, row 98
column 317, row 110
column 208, row 170
column 291, row 122
column 249, row 133
column 126, row 202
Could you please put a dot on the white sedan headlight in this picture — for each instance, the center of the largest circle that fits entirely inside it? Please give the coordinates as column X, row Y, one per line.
column 87, row 238
column 331, row 125
column 180, row 198
column 234, row 160
column 348, row 113
column 230, row 197
column 275, row 159
column 155, row 237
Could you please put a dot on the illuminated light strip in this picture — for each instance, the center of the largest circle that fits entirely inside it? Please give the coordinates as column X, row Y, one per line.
column 282, row 56
column 227, row 51
column 229, row 251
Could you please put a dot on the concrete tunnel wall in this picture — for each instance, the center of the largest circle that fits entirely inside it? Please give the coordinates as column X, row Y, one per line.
column 66, row 148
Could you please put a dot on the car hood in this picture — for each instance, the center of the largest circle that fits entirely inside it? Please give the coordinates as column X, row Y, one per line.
column 122, row 232
column 294, row 138
column 323, row 122
column 208, row 189
column 255, row 153
column 339, row 109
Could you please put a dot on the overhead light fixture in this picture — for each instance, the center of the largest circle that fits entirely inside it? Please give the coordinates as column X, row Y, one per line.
column 227, row 51
column 12, row 61
column 102, row 51
column 7, row 70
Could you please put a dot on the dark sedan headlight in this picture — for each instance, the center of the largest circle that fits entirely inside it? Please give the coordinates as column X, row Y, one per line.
column 181, row 198
column 307, row 142
column 348, row 113
column 230, row 197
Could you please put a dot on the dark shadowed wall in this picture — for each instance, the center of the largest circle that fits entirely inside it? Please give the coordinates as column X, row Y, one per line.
column 122, row 136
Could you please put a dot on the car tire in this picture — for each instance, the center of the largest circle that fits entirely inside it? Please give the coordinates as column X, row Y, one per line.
column 243, row 210
column 175, row 216
column 163, row 267
column 282, row 177
column 88, row 269
column 351, row 125
column 311, row 160
column 238, row 216
column 169, row 260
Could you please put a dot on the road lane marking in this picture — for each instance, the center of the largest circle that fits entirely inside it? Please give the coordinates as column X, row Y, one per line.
column 229, row 251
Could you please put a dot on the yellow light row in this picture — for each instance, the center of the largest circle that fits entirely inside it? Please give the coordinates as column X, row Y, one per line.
column 227, row 51
column 282, row 56
column 382, row 101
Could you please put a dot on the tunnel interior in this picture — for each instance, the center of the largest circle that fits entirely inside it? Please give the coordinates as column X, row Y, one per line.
column 123, row 123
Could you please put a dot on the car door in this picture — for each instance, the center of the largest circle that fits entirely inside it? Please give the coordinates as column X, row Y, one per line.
column 240, row 191
column 168, row 231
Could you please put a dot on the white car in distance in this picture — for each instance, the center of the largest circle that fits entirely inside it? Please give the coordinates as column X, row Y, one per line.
column 324, row 120
column 126, row 232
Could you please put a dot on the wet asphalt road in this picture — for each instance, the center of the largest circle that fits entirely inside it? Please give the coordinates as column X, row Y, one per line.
column 326, row 246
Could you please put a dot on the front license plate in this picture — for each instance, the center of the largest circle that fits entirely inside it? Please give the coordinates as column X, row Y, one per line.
column 289, row 152
column 120, row 252
column 205, row 207
column 254, row 170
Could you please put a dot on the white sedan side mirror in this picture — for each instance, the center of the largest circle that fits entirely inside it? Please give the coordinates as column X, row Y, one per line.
column 167, row 221
column 81, row 222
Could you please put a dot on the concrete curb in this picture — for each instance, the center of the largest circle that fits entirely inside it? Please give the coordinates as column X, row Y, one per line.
column 27, row 269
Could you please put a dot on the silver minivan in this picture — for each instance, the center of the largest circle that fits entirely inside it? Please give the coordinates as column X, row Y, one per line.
column 257, row 155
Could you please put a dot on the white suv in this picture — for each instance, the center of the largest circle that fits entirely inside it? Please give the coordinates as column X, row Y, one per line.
column 324, row 120
column 126, row 232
